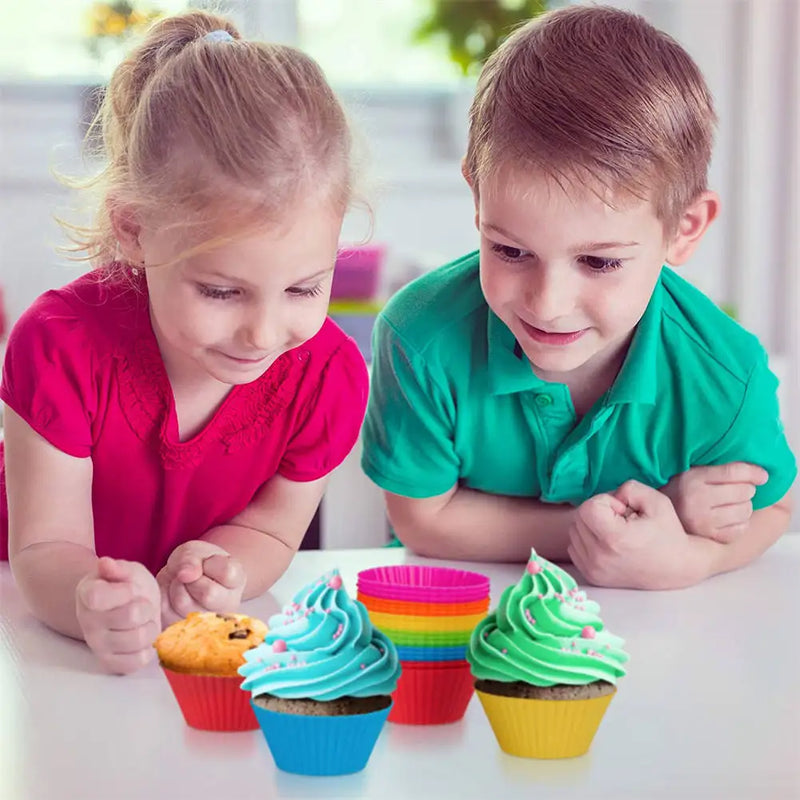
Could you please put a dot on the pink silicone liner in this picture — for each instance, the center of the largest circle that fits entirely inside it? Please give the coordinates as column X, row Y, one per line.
column 416, row 583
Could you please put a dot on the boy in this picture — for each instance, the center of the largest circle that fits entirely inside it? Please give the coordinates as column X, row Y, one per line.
column 562, row 389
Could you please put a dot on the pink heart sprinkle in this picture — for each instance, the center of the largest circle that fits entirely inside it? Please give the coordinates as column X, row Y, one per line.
column 588, row 632
column 279, row 646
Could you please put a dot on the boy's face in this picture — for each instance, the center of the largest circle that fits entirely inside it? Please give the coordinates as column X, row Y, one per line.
column 569, row 275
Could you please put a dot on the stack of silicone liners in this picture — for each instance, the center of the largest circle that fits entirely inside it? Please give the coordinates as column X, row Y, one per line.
column 429, row 613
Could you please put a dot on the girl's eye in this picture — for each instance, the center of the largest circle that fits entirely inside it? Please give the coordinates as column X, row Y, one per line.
column 216, row 293
column 508, row 253
column 597, row 264
column 299, row 291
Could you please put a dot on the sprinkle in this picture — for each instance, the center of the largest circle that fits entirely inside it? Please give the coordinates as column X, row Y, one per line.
column 335, row 582
column 363, row 666
column 279, row 646
column 540, row 596
column 504, row 651
column 534, row 568
column 588, row 632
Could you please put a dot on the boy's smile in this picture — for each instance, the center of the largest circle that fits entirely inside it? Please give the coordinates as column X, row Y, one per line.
column 568, row 274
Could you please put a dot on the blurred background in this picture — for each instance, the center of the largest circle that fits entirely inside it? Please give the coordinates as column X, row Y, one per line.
column 406, row 71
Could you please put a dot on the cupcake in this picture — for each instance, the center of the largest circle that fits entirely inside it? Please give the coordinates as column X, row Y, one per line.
column 200, row 656
column 545, row 668
column 321, row 683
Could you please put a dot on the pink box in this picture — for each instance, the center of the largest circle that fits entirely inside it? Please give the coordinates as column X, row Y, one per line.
column 358, row 271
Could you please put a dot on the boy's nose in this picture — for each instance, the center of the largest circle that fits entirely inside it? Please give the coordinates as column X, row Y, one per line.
column 549, row 294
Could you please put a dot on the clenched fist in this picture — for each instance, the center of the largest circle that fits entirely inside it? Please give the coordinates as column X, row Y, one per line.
column 199, row 576
column 118, row 606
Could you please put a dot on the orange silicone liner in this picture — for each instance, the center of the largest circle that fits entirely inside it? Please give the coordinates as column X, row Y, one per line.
column 423, row 609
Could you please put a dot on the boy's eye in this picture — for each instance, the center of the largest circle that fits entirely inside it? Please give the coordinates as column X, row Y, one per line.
column 508, row 253
column 597, row 264
column 305, row 291
column 216, row 292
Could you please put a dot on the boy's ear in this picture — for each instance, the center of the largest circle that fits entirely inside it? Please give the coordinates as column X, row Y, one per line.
column 692, row 225
column 127, row 229
column 471, row 184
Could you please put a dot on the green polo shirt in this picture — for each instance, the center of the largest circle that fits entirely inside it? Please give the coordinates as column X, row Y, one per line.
column 454, row 400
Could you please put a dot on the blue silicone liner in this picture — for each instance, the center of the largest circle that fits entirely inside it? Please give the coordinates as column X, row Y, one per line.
column 310, row 745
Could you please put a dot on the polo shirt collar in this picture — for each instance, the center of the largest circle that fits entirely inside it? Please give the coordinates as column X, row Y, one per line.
column 510, row 371
column 636, row 381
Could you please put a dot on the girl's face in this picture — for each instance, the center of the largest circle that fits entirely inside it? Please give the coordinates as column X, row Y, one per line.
column 228, row 313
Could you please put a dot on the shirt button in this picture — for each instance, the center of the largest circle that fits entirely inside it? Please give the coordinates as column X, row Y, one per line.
column 543, row 400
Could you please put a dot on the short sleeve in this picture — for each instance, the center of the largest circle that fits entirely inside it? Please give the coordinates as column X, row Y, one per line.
column 408, row 434
column 756, row 435
column 331, row 426
column 47, row 375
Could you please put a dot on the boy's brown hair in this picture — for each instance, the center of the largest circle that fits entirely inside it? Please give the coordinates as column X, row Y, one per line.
column 591, row 93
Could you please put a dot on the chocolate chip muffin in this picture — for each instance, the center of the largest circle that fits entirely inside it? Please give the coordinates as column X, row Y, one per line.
column 206, row 643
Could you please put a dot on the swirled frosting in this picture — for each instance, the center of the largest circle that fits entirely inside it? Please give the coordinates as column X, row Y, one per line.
column 545, row 632
column 325, row 648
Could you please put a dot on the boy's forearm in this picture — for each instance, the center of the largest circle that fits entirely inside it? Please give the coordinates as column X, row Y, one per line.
column 47, row 575
column 764, row 529
column 475, row 526
column 264, row 556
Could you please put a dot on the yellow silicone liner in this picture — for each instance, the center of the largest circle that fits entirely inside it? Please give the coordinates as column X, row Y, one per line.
column 404, row 622
column 531, row 728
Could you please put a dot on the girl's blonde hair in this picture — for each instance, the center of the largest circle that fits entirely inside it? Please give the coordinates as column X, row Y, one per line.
column 228, row 132
column 591, row 94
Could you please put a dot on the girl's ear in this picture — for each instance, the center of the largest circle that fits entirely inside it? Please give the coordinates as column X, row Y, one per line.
column 692, row 225
column 127, row 229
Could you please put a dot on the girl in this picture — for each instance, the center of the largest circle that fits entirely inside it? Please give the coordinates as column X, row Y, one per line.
column 172, row 415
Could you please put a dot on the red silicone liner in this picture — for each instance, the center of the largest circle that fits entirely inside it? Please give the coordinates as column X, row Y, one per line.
column 212, row 703
column 432, row 696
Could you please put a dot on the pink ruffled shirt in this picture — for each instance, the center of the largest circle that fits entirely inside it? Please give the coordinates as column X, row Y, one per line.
column 83, row 369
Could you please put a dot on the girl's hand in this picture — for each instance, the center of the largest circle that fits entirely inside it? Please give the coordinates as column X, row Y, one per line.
column 716, row 501
column 632, row 539
column 199, row 576
column 118, row 607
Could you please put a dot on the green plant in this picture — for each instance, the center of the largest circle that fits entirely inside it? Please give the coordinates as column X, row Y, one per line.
column 474, row 28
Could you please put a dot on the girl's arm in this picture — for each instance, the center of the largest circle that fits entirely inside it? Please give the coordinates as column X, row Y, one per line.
column 474, row 526
column 113, row 605
column 267, row 534
column 50, row 528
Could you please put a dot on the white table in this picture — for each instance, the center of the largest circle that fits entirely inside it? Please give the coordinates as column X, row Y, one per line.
column 710, row 709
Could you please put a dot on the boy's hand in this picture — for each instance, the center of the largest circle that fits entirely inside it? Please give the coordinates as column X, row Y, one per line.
column 716, row 501
column 118, row 606
column 631, row 539
column 199, row 576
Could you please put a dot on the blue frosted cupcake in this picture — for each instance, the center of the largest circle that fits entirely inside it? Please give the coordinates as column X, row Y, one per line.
column 321, row 682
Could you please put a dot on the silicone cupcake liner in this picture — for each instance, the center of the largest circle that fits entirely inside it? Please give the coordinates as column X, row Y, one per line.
column 412, row 653
column 405, row 622
column 458, row 664
column 428, row 639
column 531, row 728
column 319, row 745
column 432, row 696
column 212, row 703
column 384, row 606
column 423, row 584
